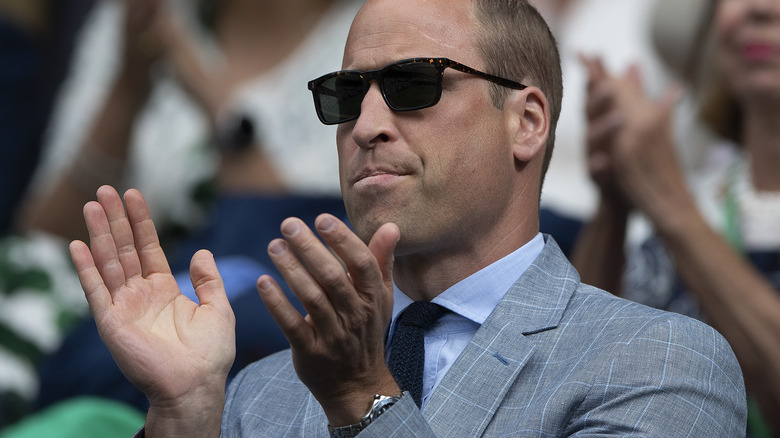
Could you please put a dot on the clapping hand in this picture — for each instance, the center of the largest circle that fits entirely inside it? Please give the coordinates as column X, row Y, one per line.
column 338, row 348
column 631, row 153
column 174, row 350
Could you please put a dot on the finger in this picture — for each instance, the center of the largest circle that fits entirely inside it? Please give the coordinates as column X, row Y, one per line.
column 634, row 77
column 601, row 99
column 98, row 297
column 206, row 280
column 365, row 272
column 102, row 246
column 603, row 130
column 382, row 245
column 594, row 68
column 287, row 317
column 671, row 97
column 120, row 230
column 147, row 243
column 599, row 163
column 309, row 268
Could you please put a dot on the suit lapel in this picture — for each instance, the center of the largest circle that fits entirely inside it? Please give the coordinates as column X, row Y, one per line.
column 471, row 392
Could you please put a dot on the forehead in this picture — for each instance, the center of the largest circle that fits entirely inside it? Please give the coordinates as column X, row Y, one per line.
column 388, row 30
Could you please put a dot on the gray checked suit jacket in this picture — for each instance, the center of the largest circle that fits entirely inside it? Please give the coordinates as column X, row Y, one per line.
column 555, row 358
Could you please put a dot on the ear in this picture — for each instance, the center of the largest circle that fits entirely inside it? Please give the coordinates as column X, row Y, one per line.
column 527, row 114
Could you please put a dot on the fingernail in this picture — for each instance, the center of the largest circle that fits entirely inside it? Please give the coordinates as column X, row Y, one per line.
column 277, row 247
column 291, row 227
column 263, row 283
column 325, row 224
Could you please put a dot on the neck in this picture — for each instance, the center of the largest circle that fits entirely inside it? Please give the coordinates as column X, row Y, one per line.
column 425, row 275
column 761, row 131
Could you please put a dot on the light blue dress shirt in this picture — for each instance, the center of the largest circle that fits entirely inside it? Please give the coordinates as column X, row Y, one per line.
column 470, row 301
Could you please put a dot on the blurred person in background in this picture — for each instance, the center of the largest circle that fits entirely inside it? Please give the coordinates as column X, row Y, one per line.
column 211, row 115
column 620, row 32
column 36, row 41
column 715, row 248
column 186, row 107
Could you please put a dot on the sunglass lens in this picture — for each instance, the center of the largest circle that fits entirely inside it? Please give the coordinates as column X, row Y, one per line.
column 340, row 97
column 411, row 86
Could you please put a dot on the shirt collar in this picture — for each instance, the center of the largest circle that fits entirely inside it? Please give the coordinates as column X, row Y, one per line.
column 477, row 295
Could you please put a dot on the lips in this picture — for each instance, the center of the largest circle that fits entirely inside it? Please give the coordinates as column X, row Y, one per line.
column 758, row 51
column 374, row 172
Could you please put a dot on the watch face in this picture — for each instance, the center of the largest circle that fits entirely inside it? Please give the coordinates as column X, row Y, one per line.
column 235, row 133
column 381, row 404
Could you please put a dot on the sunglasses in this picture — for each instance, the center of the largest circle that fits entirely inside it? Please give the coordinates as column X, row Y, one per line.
column 406, row 85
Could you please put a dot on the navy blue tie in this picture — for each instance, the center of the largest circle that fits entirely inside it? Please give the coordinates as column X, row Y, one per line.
column 407, row 352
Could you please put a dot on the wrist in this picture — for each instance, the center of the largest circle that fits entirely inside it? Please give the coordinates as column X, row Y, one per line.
column 199, row 417
column 233, row 131
column 379, row 405
column 198, row 412
column 679, row 223
column 673, row 215
column 613, row 203
column 349, row 407
column 133, row 86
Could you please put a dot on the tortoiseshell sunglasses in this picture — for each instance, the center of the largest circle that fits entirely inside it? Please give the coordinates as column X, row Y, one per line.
column 406, row 85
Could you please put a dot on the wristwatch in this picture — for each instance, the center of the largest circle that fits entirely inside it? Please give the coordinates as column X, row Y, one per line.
column 381, row 404
column 234, row 132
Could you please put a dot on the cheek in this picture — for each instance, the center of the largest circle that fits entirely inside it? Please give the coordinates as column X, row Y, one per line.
column 726, row 27
column 479, row 134
column 467, row 122
column 457, row 149
column 476, row 161
column 342, row 147
column 727, row 18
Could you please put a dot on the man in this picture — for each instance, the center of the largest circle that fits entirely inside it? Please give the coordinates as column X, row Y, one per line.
column 443, row 192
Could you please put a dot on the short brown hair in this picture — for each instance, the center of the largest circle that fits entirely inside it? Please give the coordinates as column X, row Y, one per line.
column 516, row 43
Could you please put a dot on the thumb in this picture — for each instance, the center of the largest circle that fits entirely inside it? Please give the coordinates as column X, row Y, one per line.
column 671, row 97
column 382, row 246
column 594, row 68
column 206, row 279
column 634, row 77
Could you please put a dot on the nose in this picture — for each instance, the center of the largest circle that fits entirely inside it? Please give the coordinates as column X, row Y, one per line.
column 375, row 123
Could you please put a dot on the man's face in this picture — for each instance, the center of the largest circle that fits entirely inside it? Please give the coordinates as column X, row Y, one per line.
column 442, row 173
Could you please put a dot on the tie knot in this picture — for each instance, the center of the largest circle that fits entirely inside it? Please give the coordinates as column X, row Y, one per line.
column 422, row 314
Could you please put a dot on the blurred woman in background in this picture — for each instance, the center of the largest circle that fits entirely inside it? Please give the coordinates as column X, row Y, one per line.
column 715, row 251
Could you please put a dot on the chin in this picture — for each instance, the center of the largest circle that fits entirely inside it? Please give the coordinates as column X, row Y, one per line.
column 755, row 87
column 364, row 226
column 367, row 217
column 762, row 94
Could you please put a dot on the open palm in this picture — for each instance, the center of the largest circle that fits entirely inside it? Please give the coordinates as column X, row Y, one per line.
column 171, row 348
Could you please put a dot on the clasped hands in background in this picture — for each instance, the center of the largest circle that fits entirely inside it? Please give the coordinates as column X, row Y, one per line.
column 630, row 152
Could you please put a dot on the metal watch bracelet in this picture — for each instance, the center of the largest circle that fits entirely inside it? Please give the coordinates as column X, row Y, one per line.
column 380, row 404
